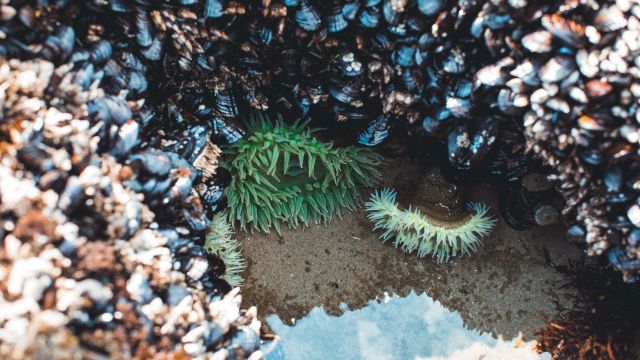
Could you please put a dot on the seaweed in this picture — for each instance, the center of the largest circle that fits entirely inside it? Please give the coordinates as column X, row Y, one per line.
column 601, row 319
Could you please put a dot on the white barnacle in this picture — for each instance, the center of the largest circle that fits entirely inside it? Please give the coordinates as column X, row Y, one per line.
column 348, row 57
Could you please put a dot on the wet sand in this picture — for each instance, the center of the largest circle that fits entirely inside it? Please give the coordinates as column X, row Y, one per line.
column 501, row 289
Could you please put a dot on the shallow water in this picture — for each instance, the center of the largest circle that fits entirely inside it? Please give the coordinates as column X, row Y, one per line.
column 413, row 327
column 501, row 289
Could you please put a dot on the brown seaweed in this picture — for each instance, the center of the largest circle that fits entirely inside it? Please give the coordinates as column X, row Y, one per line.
column 599, row 321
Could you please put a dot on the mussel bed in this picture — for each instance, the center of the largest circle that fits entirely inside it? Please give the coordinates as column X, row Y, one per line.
column 116, row 114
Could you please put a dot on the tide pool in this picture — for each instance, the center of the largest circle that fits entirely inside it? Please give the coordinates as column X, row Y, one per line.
column 412, row 327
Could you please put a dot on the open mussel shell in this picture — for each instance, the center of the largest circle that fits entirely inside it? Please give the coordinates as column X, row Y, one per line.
column 517, row 207
column 307, row 16
column 224, row 132
column 376, row 131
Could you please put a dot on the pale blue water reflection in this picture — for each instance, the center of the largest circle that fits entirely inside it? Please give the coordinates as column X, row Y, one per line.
column 413, row 327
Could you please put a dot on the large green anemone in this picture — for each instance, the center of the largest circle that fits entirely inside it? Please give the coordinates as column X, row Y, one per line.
column 426, row 230
column 282, row 173
column 220, row 242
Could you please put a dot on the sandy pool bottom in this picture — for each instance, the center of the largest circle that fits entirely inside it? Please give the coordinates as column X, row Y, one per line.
column 501, row 289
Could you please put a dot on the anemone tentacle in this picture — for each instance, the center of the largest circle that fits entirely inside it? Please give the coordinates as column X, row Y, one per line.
column 219, row 241
column 282, row 173
column 411, row 230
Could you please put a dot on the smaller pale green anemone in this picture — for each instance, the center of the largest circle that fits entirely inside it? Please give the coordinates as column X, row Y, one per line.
column 428, row 232
column 219, row 242
column 282, row 173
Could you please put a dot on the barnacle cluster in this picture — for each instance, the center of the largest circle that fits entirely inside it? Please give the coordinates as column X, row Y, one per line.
column 572, row 81
column 102, row 244
column 427, row 230
column 282, row 173
column 87, row 268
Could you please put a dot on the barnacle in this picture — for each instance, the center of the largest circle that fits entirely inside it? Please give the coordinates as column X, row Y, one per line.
column 219, row 242
column 427, row 231
column 282, row 173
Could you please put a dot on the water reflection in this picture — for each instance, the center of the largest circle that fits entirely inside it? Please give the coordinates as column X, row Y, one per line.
column 413, row 327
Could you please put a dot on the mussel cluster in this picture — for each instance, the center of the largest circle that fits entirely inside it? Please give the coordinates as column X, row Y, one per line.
column 572, row 78
column 496, row 83
column 156, row 88
column 102, row 231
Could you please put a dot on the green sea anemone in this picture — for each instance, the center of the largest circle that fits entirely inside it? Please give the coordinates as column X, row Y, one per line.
column 427, row 230
column 282, row 173
column 219, row 242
